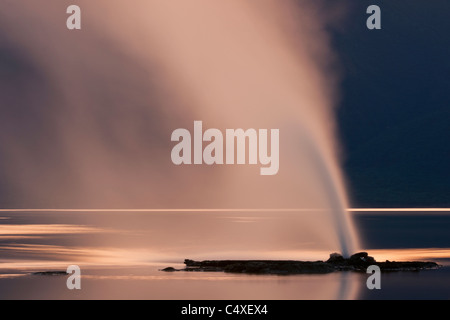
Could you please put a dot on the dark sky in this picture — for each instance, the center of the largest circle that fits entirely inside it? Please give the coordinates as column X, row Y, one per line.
column 394, row 116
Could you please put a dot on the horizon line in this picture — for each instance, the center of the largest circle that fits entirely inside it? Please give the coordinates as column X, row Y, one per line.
column 222, row 210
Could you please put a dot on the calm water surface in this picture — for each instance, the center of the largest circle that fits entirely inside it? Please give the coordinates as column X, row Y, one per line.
column 120, row 255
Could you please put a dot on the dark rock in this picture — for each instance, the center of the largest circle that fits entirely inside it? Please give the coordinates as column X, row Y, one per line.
column 191, row 263
column 407, row 266
column 169, row 269
column 278, row 267
column 336, row 258
column 362, row 258
column 357, row 262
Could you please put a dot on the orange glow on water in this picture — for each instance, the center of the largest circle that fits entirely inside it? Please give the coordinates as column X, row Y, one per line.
column 41, row 229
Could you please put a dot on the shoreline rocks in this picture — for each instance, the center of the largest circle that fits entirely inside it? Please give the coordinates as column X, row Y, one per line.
column 358, row 262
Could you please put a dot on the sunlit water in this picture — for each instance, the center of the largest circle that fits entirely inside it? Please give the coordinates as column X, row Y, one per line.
column 120, row 254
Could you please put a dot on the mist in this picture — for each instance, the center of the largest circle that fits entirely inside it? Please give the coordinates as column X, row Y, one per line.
column 87, row 115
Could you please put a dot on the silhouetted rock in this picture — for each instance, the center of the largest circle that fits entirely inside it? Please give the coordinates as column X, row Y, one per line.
column 191, row 263
column 406, row 266
column 169, row 269
column 278, row 267
column 336, row 258
column 361, row 258
column 357, row 262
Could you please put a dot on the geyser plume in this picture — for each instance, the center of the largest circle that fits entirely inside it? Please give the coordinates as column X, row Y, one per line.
column 97, row 108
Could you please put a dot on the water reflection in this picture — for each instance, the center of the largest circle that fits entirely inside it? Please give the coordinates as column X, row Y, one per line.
column 48, row 229
column 125, row 252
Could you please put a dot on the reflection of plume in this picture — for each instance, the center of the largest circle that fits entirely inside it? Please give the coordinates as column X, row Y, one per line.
column 88, row 114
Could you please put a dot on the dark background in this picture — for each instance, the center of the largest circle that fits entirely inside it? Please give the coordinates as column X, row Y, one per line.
column 394, row 114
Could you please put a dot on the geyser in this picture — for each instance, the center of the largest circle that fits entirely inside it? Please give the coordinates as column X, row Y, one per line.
column 98, row 106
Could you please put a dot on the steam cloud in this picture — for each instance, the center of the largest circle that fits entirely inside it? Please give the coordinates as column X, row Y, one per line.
column 87, row 115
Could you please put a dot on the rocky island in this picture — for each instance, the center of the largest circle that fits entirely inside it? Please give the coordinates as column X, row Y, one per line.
column 357, row 262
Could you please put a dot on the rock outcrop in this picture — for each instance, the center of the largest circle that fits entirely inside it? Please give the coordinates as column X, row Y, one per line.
column 357, row 262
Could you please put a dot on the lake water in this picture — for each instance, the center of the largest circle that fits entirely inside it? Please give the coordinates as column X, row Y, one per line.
column 120, row 255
